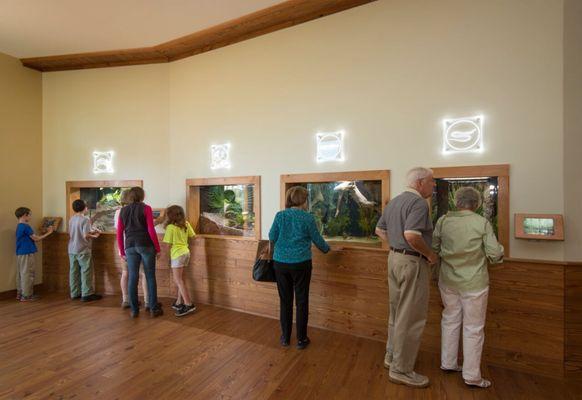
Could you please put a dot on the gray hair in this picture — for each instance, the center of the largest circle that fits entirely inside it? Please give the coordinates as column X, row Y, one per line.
column 417, row 174
column 468, row 198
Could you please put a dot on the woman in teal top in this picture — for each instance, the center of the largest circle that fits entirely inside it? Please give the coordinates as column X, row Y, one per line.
column 293, row 231
column 465, row 242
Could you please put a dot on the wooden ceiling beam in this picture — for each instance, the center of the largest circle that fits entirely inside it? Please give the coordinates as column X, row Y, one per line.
column 271, row 19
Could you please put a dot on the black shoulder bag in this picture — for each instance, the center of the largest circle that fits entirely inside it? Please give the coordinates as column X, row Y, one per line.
column 263, row 270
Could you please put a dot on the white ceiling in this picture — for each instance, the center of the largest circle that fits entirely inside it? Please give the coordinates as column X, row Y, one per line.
column 36, row 28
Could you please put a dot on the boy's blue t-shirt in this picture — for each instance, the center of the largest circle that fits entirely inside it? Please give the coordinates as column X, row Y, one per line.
column 24, row 243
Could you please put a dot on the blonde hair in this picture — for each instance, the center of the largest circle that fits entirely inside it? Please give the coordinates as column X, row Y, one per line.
column 123, row 198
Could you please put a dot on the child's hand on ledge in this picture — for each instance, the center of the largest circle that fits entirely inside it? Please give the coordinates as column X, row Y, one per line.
column 337, row 248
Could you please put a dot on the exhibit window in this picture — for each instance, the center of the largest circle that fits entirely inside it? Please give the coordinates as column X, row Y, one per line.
column 443, row 197
column 103, row 199
column 491, row 181
column 346, row 206
column 225, row 207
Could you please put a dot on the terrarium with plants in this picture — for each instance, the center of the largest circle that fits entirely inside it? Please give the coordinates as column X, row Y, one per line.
column 346, row 211
column 101, row 205
column 227, row 210
column 443, row 197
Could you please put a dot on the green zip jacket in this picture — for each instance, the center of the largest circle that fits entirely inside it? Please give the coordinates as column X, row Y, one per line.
column 465, row 242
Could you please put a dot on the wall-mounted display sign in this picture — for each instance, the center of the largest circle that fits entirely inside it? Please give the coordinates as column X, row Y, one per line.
column 330, row 146
column 47, row 222
column 539, row 226
column 220, row 156
column 103, row 162
column 463, row 135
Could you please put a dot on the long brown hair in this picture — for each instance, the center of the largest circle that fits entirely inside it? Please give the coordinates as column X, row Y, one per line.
column 135, row 195
column 175, row 216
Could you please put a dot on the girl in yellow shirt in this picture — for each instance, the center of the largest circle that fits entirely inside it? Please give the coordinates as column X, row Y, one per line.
column 178, row 231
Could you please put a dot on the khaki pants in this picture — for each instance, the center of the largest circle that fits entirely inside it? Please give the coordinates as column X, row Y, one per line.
column 466, row 310
column 408, row 285
column 25, row 275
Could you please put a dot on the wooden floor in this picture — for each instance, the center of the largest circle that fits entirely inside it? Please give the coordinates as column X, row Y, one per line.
column 56, row 348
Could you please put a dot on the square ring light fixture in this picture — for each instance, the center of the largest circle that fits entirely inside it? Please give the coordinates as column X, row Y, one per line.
column 463, row 135
column 330, row 146
column 103, row 162
column 220, row 156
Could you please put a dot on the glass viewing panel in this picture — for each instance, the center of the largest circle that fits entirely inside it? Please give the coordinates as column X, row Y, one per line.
column 346, row 211
column 101, row 205
column 539, row 226
column 443, row 197
column 227, row 210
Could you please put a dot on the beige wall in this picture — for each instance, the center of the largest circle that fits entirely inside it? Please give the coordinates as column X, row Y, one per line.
column 387, row 73
column 20, row 158
column 573, row 128
column 121, row 109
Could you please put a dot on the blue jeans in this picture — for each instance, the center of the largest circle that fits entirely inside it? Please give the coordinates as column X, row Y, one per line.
column 135, row 256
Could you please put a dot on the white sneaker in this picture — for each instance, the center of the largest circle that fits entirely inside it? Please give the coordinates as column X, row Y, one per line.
column 483, row 383
column 411, row 379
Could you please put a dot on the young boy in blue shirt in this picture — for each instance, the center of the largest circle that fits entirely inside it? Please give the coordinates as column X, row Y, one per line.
column 25, row 249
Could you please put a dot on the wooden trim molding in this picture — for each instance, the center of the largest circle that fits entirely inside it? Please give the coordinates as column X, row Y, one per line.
column 73, row 190
column 193, row 201
column 280, row 16
column 500, row 171
column 290, row 180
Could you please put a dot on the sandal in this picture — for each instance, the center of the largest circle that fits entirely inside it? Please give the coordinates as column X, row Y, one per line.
column 483, row 383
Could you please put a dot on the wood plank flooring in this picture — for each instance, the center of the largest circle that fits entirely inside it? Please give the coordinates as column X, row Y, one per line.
column 59, row 349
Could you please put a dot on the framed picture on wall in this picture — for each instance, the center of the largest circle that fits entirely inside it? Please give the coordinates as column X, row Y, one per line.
column 539, row 226
column 47, row 222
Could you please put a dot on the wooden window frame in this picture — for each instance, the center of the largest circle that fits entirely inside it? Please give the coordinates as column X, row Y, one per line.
column 289, row 180
column 499, row 171
column 193, row 202
column 73, row 192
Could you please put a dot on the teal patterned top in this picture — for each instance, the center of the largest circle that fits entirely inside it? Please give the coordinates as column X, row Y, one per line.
column 292, row 232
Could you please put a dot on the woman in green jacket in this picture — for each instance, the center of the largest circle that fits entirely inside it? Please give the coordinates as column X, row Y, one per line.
column 465, row 242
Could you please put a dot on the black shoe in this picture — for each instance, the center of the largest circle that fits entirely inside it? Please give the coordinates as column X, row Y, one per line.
column 76, row 298
column 185, row 309
column 176, row 306
column 303, row 343
column 156, row 312
column 284, row 342
column 91, row 297
column 134, row 314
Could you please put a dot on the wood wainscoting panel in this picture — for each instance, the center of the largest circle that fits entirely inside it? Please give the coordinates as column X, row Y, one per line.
column 573, row 322
column 349, row 293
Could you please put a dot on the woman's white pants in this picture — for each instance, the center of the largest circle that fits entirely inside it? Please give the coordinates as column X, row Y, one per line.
column 466, row 310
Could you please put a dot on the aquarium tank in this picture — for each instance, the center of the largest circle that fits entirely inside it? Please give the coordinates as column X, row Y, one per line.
column 101, row 206
column 227, row 210
column 346, row 211
column 443, row 197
